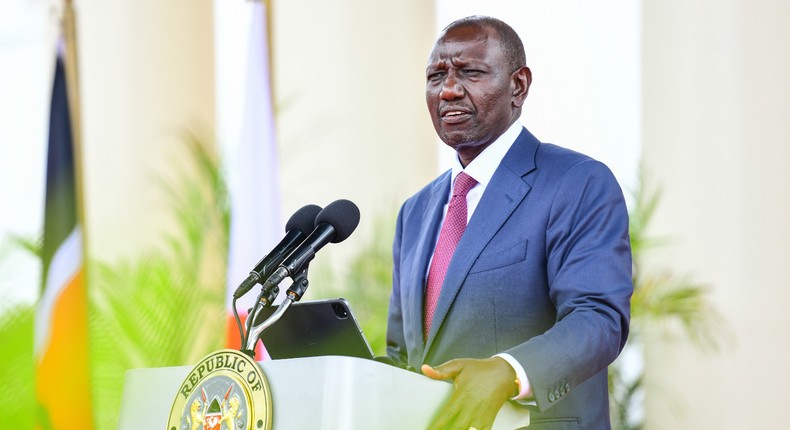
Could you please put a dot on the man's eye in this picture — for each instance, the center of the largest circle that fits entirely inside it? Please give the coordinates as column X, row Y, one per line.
column 434, row 77
column 473, row 72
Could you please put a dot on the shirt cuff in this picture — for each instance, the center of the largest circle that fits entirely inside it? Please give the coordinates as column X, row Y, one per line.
column 521, row 375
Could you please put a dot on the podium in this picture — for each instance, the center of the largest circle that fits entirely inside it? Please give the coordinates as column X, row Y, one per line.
column 325, row 393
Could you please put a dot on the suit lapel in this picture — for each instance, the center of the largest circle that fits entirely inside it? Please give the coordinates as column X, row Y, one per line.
column 502, row 195
column 413, row 320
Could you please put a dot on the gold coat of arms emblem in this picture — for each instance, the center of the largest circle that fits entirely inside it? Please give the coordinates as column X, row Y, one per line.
column 226, row 390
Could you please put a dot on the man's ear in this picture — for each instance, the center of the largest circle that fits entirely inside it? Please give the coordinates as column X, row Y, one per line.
column 522, row 79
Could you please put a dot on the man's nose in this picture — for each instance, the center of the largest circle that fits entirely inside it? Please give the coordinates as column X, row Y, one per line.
column 451, row 89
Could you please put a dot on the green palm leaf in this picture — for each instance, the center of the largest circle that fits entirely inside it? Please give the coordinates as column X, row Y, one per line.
column 668, row 304
column 17, row 370
column 164, row 308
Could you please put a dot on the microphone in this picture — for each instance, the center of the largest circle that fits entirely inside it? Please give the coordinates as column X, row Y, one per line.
column 334, row 224
column 297, row 228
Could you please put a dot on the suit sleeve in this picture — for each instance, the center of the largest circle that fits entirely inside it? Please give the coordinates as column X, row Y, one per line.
column 588, row 260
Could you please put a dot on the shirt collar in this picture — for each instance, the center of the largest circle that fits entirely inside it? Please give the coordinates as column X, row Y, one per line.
column 482, row 168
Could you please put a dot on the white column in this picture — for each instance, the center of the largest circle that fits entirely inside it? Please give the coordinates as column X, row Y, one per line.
column 350, row 102
column 585, row 62
column 716, row 138
column 146, row 74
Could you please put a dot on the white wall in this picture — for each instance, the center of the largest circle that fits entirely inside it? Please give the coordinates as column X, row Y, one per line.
column 27, row 61
column 146, row 75
column 585, row 62
column 716, row 139
column 352, row 121
column 348, row 89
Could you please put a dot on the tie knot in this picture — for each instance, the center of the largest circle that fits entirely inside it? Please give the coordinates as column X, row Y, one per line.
column 463, row 183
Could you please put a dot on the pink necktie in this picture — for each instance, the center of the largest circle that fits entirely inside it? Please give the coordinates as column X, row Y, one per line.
column 452, row 229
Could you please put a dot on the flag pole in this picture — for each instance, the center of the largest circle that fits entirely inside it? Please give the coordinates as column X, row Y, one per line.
column 62, row 372
column 268, row 8
column 72, row 89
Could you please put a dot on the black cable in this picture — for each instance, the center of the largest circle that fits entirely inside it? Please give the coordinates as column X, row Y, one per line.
column 242, row 334
column 251, row 315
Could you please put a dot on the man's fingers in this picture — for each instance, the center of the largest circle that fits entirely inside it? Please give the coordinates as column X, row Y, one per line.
column 447, row 370
column 475, row 412
column 481, row 387
column 463, row 411
column 432, row 372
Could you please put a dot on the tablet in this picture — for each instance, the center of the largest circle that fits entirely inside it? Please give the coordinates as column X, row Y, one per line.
column 314, row 328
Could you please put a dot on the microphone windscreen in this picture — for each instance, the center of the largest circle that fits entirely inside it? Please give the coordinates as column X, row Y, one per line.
column 342, row 215
column 303, row 219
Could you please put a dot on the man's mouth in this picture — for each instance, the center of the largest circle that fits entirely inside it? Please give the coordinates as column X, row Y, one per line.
column 455, row 116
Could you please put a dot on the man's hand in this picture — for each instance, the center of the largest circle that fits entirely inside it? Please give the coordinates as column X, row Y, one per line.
column 481, row 388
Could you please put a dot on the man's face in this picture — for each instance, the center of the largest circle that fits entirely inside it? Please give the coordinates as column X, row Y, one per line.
column 469, row 90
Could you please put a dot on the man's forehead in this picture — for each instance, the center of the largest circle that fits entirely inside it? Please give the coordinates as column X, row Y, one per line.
column 460, row 44
column 465, row 34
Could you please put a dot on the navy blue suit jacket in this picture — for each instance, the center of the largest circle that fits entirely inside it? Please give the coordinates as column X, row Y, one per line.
column 542, row 272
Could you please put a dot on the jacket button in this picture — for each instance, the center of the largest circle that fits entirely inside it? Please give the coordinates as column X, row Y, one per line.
column 551, row 397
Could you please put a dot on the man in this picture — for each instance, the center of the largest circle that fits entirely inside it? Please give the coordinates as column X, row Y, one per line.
column 530, row 300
